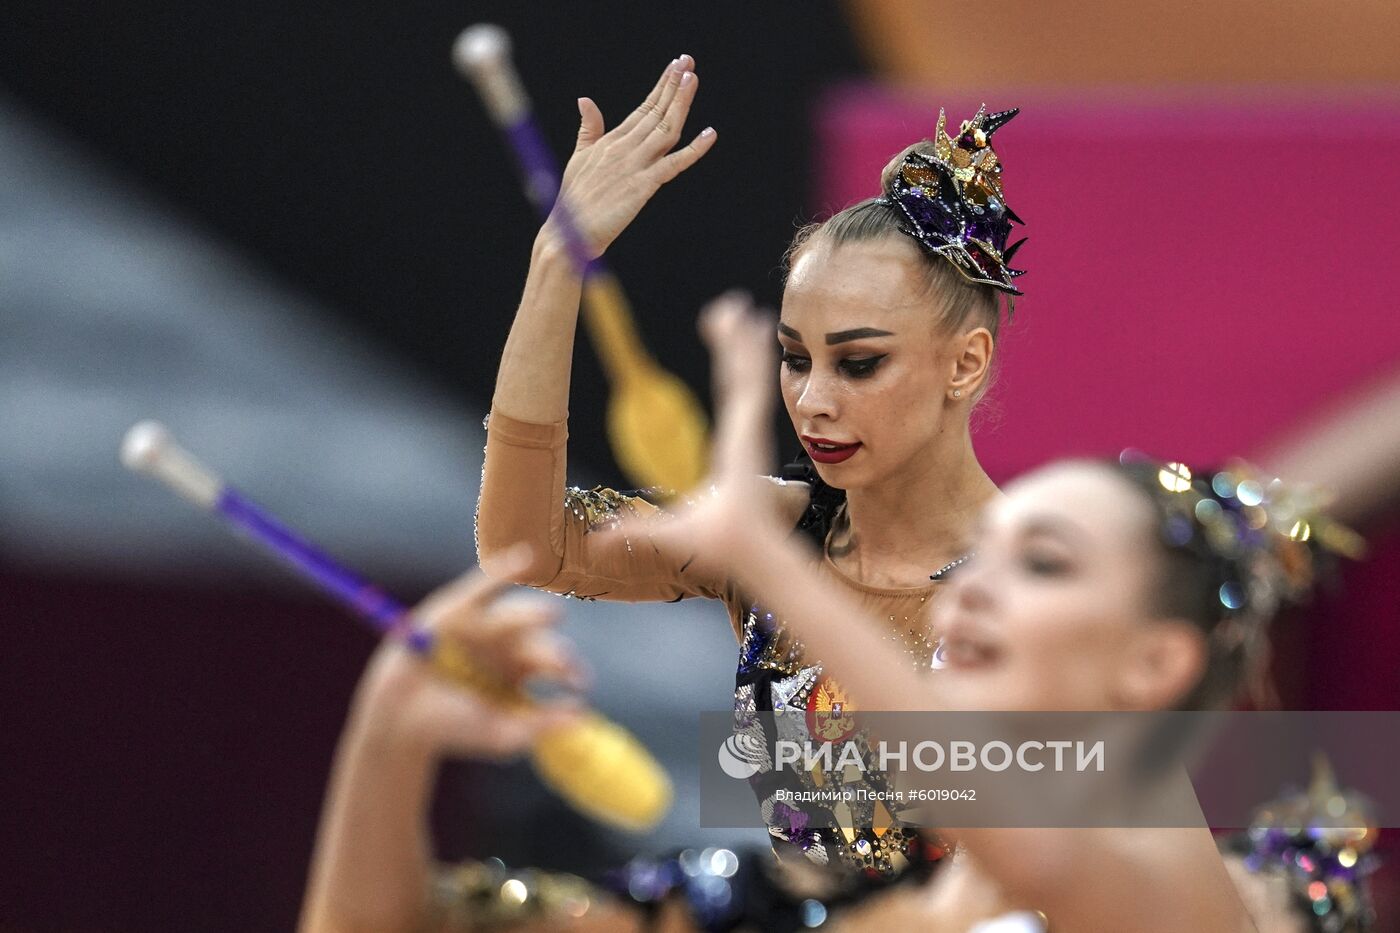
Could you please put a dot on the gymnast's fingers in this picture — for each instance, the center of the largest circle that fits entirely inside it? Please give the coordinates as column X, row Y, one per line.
column 466, row 597
column 546, row 655
column 516, row 637
column 717, row 321
column 739, row 339
column 672, row 165
column 667, row 129
column 590, row 124
column 659, row 97
column 510, row 733
column 500, row 621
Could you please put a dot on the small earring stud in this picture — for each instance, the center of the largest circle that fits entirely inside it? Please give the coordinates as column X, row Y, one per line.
column 957, row 393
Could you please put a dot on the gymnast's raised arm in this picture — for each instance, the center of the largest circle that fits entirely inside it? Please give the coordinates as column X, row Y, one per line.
column 610, row 177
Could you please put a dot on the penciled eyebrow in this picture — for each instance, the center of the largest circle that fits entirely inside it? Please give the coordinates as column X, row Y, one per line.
column 858, row 333
column 840, row 336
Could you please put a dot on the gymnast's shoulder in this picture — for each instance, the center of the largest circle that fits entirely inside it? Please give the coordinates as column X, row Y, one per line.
column 790, row 497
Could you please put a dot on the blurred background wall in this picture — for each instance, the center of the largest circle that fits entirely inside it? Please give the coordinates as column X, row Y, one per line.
column 291, row 233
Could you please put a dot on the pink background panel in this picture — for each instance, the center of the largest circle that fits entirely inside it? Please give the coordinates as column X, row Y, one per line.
column 1199, row 275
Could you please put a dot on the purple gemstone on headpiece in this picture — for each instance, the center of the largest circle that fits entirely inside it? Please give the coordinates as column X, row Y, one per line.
column 989, row 230
column 1337, row 870
column 931, row 216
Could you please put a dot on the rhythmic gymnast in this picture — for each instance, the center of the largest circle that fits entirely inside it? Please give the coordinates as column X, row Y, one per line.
column 889, row 326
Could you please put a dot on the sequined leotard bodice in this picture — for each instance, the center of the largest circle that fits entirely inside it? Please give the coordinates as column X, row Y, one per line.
column 522, row 484
column 774, row 675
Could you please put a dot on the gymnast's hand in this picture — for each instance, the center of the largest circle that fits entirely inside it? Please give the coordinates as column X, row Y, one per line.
column 403, row 702
column 736, row 513
column 612, row 174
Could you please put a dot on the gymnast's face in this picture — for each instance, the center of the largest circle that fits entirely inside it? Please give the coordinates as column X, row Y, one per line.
column 1054, row 611
column 866, row 368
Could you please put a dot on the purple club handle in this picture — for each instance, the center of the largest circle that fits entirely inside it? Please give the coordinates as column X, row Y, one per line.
column 363, row 598
column 540, row 172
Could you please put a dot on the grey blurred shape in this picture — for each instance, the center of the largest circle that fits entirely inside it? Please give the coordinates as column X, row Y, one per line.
column 113, row 310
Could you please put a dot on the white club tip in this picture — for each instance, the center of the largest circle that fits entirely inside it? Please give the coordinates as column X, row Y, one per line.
column 149, row 448
column 143, row 446
column 480, row 46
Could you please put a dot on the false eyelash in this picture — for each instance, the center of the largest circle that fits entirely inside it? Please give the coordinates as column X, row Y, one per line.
column 795, row 363
column 862, row 367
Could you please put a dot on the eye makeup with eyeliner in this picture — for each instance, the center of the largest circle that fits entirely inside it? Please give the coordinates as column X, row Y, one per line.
column 856, row 367
column 794, row 363
column 861, row 367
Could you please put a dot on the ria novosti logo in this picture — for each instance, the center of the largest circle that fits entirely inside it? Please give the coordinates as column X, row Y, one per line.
column 741, row 756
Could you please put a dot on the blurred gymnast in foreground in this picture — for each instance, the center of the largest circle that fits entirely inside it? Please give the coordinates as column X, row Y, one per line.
column 1095, row 586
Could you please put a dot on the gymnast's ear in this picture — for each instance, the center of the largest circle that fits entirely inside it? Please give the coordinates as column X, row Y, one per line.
column 971, row 363
column 1163, row 663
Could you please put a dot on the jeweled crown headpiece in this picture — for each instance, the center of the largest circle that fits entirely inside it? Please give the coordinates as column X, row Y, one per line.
column 1263, row 538
column 1321, row 842
column 953, row 200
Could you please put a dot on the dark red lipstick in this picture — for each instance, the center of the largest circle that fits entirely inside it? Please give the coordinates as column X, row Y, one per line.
column 828, row 451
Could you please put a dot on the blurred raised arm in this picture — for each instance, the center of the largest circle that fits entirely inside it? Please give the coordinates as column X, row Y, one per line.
column 1354, row 451
column 372, row 867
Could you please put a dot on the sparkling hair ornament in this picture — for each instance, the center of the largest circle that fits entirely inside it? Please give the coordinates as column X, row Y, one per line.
column 953, row 203
column 725, row 889
column 1263, row 539
column 1321, row 842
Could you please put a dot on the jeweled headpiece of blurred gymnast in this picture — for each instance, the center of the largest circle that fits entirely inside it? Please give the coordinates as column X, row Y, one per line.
column 1308, row 855
column 1240, row 546
column 949, row 191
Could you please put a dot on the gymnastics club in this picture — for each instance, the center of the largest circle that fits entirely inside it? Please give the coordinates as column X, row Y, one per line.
column 655, row 423
column 595, row 764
